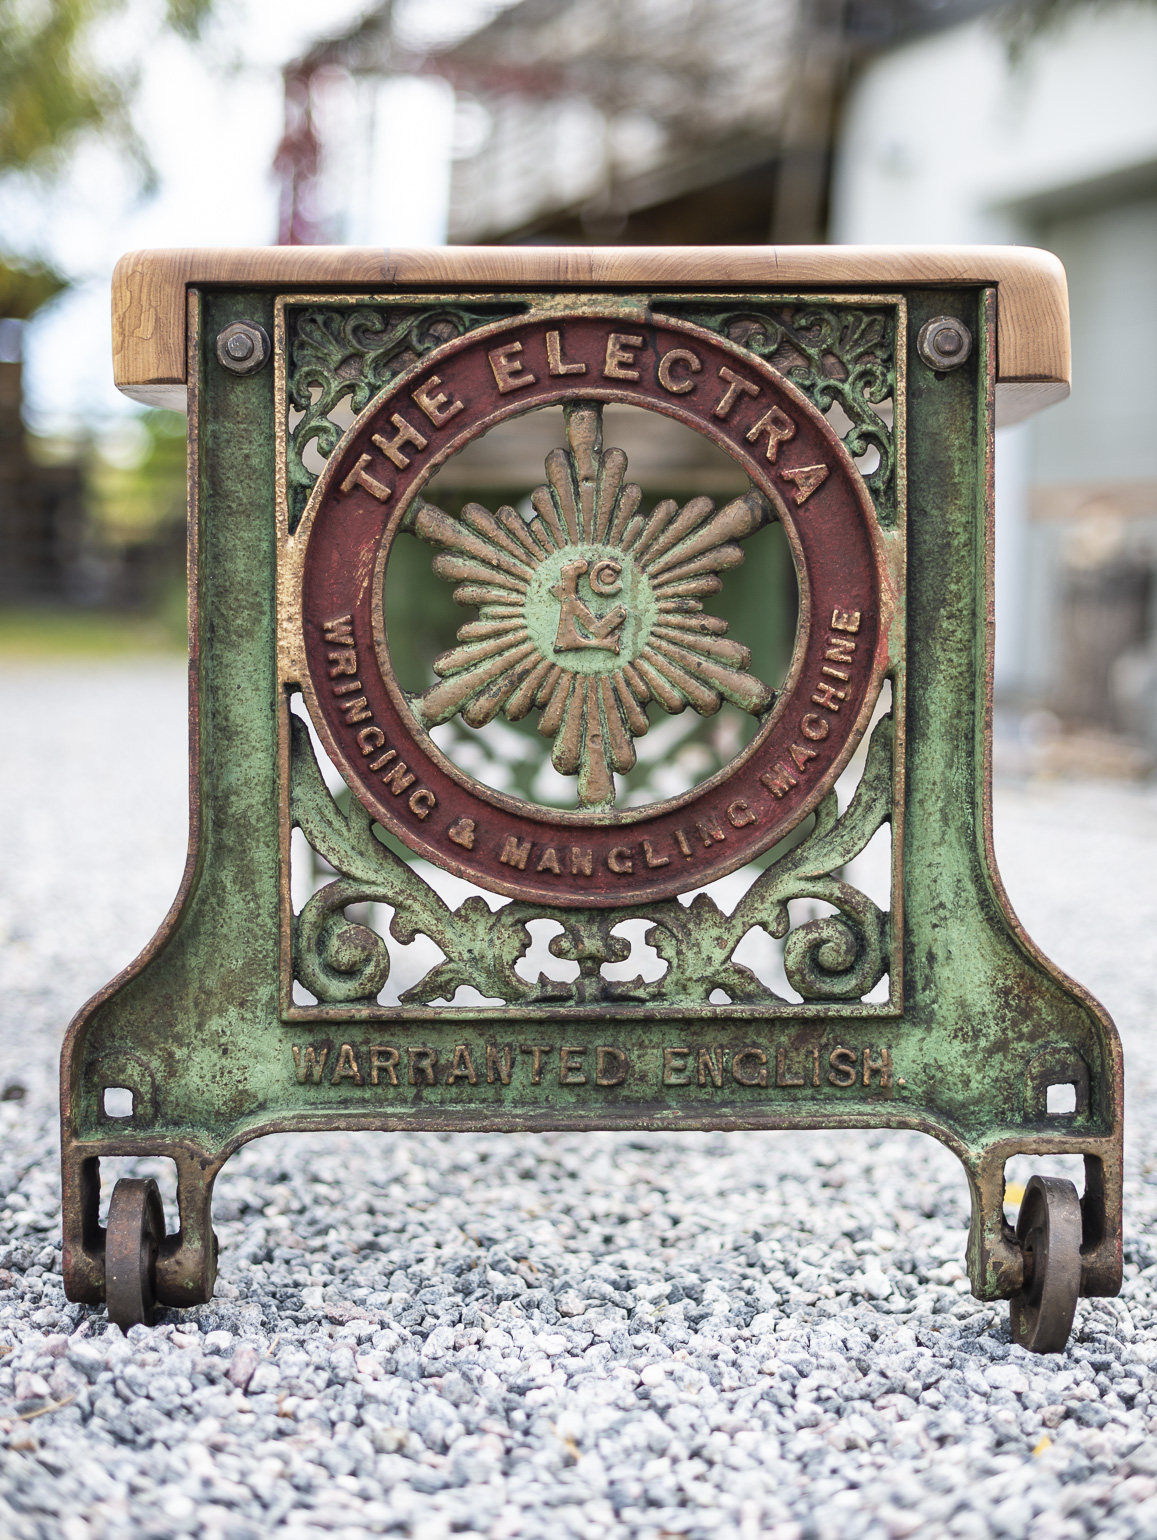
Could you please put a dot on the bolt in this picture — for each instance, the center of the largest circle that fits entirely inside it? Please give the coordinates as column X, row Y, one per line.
column 944, row 343
column 242, row 347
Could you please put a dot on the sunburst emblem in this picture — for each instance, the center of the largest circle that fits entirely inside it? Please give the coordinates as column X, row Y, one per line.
column 590, row 610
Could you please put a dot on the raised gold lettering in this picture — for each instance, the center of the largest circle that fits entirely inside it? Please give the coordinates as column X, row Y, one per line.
column 710, row 830
column 461, row 1066
column 383, row 1058
column 840, row 649
column 507, row 368
column 620, row 355
column 346, row 1067
column 676, row 1070
column 549, row 862
column 739, row 815
column 828, row 697
column 515, row 852
column 369, row 739
column 356, row 710
column 779, row 780
column 805, row 479
column 669, row 380
column 423, row 1062
column 433, row 405
column 881, row 1066
column 651, row 858
column 736, row 386
column 570, row 1067
column 554, row 359
column 344, row 662
column 814, row 727
column 779, row 428
column 422, row 802
column 337, row 632
column 619, row 860
column 845, row 620
column 348, row 688
column 536, row 1050
column 740, row 1062
column 801, row 754
column 392, row 447
column 500, row 1069
column 610, row 1066
column 710, row 1065
column 399, row 778
column 310, row 1063
column 461, row 831
column 360, row 477
column 681, row 840
column 581, row 861
column 843, row 1066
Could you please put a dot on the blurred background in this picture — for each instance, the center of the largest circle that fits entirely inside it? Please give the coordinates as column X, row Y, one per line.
column 127, row 123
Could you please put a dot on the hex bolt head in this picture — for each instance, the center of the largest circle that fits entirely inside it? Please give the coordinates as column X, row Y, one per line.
column 944, row 343
column 242, row 347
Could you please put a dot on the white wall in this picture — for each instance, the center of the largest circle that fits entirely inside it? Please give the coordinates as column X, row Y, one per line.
column 950, row 140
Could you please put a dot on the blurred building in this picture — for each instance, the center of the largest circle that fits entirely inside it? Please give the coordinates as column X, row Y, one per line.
column 891, row 121
column 958, row 138
column 41, row 506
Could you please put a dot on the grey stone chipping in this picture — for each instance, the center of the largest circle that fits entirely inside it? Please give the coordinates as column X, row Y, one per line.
column 587, row 1336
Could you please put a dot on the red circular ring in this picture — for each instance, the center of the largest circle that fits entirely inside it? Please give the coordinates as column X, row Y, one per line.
column 639, row 854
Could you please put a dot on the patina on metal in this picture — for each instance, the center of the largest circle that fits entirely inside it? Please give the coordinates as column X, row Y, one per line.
column 592, row 612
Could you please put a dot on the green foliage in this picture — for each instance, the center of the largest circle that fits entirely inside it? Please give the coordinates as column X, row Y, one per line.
column 52, row 90
column 24, row 287
column 136, row 496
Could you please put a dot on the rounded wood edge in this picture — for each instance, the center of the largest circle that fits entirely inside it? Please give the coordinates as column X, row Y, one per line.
column 148, row 289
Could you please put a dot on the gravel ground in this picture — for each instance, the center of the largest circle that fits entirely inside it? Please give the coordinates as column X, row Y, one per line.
column 600, row 1335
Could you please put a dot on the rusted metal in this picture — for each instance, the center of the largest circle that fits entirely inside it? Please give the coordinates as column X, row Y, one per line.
column 592, row 613
column 1048, row 1231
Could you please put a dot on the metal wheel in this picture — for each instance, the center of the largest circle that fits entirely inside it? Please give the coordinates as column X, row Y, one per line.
column 1048, row 1228
column 136, row 1227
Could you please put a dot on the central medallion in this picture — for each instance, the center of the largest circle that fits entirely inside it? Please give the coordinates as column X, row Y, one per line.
column 589, row 610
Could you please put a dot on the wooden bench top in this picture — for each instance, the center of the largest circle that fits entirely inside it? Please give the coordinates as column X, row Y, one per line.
column 149, row 287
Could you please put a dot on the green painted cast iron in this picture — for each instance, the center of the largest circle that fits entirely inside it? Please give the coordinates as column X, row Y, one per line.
column 819, row 633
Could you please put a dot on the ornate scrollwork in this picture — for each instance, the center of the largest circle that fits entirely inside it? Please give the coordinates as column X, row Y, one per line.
column 339, row 353
column 838, row 957
column 590, row 610
column 834, row 354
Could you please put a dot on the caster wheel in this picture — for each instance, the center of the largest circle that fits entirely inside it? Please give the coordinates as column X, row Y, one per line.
column 136, row 1227
column 1048, row 1228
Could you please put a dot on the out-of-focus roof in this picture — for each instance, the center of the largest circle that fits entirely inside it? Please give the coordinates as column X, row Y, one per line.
column 591, row 109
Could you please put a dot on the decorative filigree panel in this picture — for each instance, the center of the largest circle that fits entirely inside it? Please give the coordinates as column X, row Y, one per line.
column 344, row 962
column 341, row 356
column 837, row 355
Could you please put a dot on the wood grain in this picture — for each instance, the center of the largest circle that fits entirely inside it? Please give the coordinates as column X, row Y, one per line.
column 149, row 287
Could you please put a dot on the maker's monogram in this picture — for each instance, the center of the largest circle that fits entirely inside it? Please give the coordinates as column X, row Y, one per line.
column 591, row 676
column 574, row 612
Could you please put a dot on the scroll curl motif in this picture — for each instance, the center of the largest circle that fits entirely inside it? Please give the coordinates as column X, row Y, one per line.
column 352, row 353
column 838, row 957
column 835, row 354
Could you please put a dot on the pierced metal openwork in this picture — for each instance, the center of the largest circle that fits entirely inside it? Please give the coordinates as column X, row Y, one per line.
column 590, row 610
column 807, row 930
